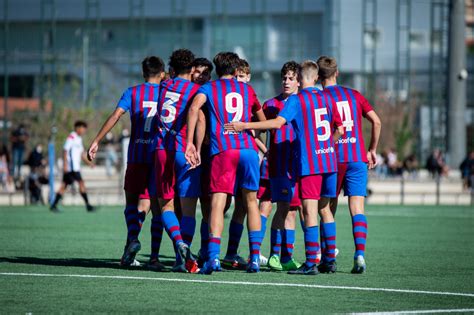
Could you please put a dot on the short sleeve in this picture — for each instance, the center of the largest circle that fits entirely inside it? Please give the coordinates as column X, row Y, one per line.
column 364, row 103
column 68, row 144
column 125, row 101
column 291, row 111
column 255, row 104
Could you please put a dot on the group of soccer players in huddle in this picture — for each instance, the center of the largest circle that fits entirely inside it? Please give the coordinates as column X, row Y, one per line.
column 196, row 138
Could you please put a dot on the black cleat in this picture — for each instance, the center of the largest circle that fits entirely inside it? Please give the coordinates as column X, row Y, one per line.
column 305, row 270
column 129, row 253
column 328, row 267
column 91, row 208
column 155, row 265
column 55, row 209
column 187, row 257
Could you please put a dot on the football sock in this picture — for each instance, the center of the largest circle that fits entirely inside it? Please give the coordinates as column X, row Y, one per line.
column 322, row 240
column 275, row 241
column 359, row 229
column 311, row 245
column 214, row 248
column 288, row 244
column 56, row 200
column 204, row 238
column 263, row 220
column 141, row 219
column 235, row 234
column 131, row 219
column 188, row 226
column 86, row 199
column 171, row 224
column 156, row 230
column 254, row 244
column 329, row 230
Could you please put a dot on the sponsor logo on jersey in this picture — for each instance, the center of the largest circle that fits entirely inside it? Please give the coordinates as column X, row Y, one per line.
column 144, row 141
column 325, row 151
column 347, row 140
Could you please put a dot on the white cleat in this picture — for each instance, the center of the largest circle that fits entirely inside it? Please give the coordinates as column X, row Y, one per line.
column 263, row 260
column 135, row 263
column 359, row 265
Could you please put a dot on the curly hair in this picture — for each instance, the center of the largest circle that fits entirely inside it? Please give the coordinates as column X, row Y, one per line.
column 181, row 61
column 226, row 63
column 291, row 66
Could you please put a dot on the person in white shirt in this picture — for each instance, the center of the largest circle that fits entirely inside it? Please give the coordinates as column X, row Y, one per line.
column 73, row 153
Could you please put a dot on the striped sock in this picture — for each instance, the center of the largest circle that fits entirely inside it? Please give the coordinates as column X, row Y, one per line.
column 263, row 220
column 156, row 230
column 235, row 234
column 359, row 229
column 329, row 230
column 288, row 244
column 188, row 227
column 254, row 244
column 171, row 225
column 141, row 219
column 214, row 248
column 275, row 241
column 322, row 240
column 131, row 219
column 204, row 239
column 311, row 245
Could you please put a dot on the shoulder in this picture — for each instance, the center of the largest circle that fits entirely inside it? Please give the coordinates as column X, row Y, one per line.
column 71, row 136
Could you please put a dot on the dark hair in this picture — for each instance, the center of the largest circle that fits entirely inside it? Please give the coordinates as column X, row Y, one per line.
column 327, row 67
column 80, row 123
column 205, row 76
column 182, row 61
column 203, row 62
column 226, row 63
column 152, row 66
column 291, row 66
column 244, row 66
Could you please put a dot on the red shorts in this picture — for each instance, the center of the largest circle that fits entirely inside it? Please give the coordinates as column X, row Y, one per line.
column 264, row 192
column 137, row 178
column 165, row 173
column 145, row 195
column 295, row 201
column 310, row 186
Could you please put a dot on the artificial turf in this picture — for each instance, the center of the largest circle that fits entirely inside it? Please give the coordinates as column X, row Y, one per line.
column 423, row 248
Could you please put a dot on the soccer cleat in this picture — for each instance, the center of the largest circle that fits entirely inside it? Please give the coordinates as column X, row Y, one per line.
column 201, row 258
column 263, row 260
column 234, row 262
column 305, row 270
column 253, row 266
column 328, row 267
column 129, row 253
column 190, row 262
column 179, row 268
column 274, row 263
column 336, row 252
column 290, row 265
column 359, row 265
column 91, row 208
column 211, row 266
column 55, row 209
column 135, row 263
column 155, row 265
column 318, row 258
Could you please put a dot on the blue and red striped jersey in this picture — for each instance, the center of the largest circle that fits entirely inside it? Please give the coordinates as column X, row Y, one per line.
column 314, row 117
column 264, row 168
column 282, row 148
column 229, row 100
column 176, row 95
column 141, row 102
column 351, row 106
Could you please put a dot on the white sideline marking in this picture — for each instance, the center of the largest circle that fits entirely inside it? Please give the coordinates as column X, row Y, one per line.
column 461, row 310
column 297, row 285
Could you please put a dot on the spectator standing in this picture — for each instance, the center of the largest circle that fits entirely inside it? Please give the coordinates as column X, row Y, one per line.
column 18, row 139
column 4, row 172
column 467, row 171
column 36, row 178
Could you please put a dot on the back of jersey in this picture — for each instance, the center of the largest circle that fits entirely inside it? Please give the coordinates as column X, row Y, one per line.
column 229, row 100
column 176, row 95
column 351, row 106
column 141, row 101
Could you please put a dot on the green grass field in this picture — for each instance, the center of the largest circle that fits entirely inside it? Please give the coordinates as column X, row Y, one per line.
column 68, row 262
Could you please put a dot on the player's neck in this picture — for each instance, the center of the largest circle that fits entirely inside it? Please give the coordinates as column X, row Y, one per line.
column 227, row 76
column 286, row 95
column 329, row 82
column 185, row 76
column 154, row 80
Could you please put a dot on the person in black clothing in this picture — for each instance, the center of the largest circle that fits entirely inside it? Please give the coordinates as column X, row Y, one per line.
column 18, row 139
column 36, row 178
column 467, row 170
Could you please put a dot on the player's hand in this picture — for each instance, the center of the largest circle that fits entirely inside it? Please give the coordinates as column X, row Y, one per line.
column 191, row 155
column 92, row 152
column 372, row 158
column 236, row 126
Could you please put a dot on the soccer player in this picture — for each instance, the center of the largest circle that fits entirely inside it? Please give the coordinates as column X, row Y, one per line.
column 141, row 102
column 235, row 162
column 173, row 176
column 73, row 153
column 353, row 159
column 314, row 119
column 202, row 71
column 280, row 174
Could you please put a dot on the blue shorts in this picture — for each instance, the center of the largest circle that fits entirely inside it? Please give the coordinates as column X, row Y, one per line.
column 329, row 185
column 352, row 176
column 282, row 189
column 188, row 182
column 234, row 169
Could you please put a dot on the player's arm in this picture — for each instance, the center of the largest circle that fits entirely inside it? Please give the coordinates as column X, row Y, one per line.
column 85, row 158
column 260, row 115
column 261, row 146
column 374, row 139
column 200, row 131
column 108, row 125
column 238, row 126
column 193, row 115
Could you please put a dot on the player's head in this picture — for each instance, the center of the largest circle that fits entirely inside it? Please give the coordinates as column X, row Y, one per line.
column 153, row 67
column 226, row 63
column 290, row 77
column 182, row 62
column 202, row 70
column 309, row 73
column 327, row 68
column 80, row 127
column 243, row 71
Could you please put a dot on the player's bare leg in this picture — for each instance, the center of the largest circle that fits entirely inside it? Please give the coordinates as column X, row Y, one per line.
column 83, row 192
column 58, row 197
column 254, row 226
